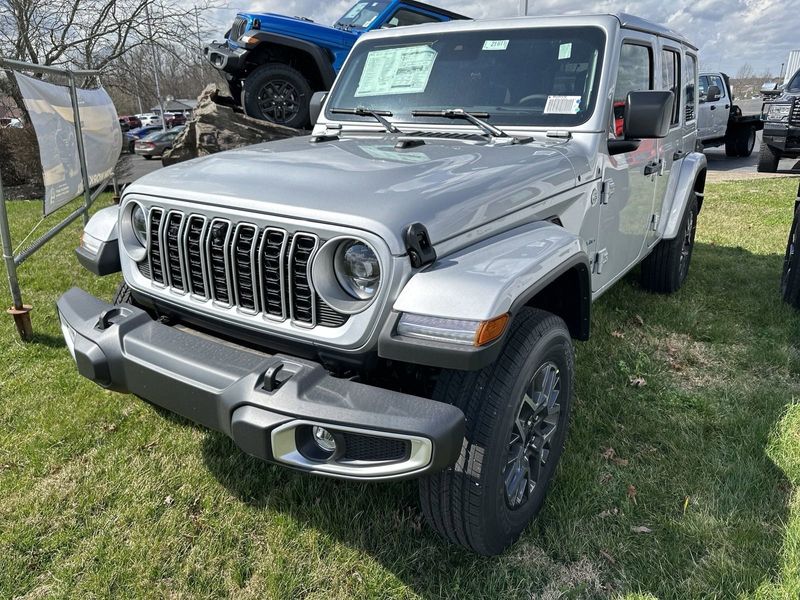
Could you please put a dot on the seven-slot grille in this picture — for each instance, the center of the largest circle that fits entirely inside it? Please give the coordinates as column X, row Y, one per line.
column 237, row 29
column 257, row 270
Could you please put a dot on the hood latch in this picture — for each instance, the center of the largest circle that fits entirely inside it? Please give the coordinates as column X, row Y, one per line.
column 418, row 245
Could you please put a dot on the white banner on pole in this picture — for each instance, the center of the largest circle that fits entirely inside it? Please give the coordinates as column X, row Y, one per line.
column 50, row 109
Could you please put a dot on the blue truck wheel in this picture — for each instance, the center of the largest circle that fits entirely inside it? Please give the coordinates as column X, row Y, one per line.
column 278, row 93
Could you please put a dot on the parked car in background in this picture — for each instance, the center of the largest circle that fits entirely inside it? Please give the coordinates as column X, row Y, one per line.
column 781, row 127
column 149, row 119
column 721, row 122
column 274, row 63
column 132, row 121
column 136, row 134
column 174, row 119
column 157, row 142
column 397, row 295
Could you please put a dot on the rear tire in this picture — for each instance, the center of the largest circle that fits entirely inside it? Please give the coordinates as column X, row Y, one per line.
column 667, row 266
column 745, row 142
column 767, row 159
column 790, row 278
column 278, row 93
column 517, row 411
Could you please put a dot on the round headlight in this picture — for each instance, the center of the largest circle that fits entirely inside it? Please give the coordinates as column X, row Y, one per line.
column 139, row 224
column 357, row 269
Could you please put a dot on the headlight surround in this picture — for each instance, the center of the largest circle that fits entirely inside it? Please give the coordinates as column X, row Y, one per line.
column 778, row 112
column 357, row 269
column 347, row 274
column 133, row 231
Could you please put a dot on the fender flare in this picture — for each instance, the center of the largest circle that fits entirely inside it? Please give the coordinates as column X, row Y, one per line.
column 318, row 54
column 692, row 170
column 496, row 276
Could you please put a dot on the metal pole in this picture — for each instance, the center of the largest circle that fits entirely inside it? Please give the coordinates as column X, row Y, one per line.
column 20, row 312
column 523, row 7
column 156, row 66
column 76, row 115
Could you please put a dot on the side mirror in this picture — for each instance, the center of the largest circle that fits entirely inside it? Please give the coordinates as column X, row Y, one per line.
column 315, row 108
column 713, row 94
column 648, row 114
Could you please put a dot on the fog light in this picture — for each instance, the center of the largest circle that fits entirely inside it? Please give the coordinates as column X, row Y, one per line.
column 324, row 439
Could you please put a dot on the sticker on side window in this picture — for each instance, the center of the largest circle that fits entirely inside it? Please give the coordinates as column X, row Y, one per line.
column 565, row 51
column 562, row 105
column 396, row 71
column 495, row 45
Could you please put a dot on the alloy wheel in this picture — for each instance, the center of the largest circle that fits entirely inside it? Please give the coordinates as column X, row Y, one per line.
column 532, row 434
column 279, row 101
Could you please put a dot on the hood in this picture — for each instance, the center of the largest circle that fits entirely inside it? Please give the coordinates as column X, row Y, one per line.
column 324, row 35
column 450, row 186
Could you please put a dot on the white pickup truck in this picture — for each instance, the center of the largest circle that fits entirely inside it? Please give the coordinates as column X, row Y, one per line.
column 720, row 121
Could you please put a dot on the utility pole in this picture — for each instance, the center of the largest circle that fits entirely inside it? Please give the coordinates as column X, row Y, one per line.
column 199, row 41
column 156, row 66
column 523, row 7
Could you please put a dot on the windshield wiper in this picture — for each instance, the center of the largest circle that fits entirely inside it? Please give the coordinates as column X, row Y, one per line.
column 378, row 115
column 459, row 113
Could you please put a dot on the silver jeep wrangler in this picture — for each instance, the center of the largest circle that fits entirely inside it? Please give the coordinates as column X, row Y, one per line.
column 396, row 295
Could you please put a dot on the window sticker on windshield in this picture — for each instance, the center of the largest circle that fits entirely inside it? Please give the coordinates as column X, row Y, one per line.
column 562, row 105
column 396, row 71
column 495, row 45
column 565, row 51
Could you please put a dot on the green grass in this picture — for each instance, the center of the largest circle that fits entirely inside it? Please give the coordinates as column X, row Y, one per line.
column 102, row 495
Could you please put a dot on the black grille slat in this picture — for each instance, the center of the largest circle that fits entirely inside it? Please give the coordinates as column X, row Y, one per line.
column 257, row 270
column 272, row 254
column 195, row 230
column 242, row 254
column 172, row 245
column 302, row 296
column 156, row 263
column 218, row 235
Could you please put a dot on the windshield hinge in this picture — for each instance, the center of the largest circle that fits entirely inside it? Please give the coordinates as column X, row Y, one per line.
column 559, row 133
column 418, row 245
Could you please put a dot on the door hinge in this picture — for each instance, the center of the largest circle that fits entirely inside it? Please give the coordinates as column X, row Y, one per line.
column 600, row 259
column 607, row 190
column 654, row 221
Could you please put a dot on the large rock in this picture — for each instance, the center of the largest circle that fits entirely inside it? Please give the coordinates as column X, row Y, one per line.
column 218, row 124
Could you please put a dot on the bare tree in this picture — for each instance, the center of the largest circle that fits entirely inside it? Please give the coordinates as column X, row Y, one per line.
column 91, row 34
column 745, row 72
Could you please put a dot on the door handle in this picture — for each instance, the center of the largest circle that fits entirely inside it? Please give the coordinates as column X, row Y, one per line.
column 713, row 107
column 653, row 168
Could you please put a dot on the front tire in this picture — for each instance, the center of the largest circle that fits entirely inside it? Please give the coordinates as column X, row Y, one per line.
column 790, row 278
column 278, row 93
column 517, row 411
column 768, row 160
column 122, row 295
column 667, row 266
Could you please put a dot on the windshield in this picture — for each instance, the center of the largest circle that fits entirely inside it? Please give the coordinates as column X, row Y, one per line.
column 363, row 14
column 528, row 77
column 794, row 84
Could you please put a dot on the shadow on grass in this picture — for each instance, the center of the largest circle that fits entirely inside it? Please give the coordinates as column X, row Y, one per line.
column 693, row 442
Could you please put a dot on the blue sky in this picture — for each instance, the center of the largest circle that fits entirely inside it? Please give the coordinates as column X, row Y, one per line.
column 728, row 32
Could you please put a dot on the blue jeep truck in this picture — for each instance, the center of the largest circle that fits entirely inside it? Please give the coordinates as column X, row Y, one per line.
column 273, row 63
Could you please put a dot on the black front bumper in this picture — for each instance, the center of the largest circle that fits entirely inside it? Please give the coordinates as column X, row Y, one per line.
column 265, row 403
column 783, row 138
column 225, row 59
